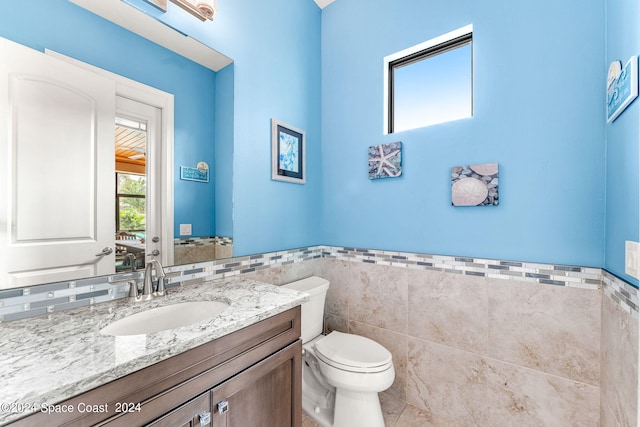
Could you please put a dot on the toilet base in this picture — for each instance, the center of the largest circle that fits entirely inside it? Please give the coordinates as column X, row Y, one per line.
column 351, row 410
column 357, row 409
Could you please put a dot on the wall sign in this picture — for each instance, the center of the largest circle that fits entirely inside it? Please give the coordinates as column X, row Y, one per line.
column 622, row 87
column 200, row 173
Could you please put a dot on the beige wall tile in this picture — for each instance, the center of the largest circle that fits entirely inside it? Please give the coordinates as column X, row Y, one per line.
column 339, row 274
column 520, row 396
column 449, row 309
column 287, row 273
column 619, row 382
column 335, row 323
column 396, row 343
column 414, row 417
column 392, row 407
column 447, row 383
column 224, row 251
column 554, row 329
column 446, row 331
column 607, row 419
column 378, row 296
column 191, row 254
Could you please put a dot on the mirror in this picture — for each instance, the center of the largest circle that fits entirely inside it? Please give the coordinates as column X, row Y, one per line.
column 203, row 105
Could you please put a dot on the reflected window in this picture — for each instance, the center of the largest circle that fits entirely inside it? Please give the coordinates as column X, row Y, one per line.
column 131, row 190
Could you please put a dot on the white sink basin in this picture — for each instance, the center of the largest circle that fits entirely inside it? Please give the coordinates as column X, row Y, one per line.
column 165, row 318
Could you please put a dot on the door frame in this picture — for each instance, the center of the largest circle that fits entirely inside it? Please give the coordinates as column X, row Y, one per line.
column 142, row 93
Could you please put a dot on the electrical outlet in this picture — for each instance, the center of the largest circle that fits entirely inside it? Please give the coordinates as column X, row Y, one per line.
column 185, row 229
column 632, row 259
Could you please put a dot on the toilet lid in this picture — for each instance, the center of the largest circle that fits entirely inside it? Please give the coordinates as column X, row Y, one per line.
column 353, row 351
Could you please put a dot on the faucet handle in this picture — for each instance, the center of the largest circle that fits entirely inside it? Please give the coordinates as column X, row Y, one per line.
column 161, row 289
column 133, row 287
column 154, row 252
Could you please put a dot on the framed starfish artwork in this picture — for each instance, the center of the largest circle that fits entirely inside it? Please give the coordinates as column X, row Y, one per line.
column 385, row 160
column 287, row 153
column 475, row 185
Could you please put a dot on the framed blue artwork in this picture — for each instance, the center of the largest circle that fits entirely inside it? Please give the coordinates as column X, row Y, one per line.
column 287, row 153
column 622, row 87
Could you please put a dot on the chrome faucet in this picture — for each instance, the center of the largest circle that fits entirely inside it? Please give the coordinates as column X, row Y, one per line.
column 130, row 260
column 149, row 290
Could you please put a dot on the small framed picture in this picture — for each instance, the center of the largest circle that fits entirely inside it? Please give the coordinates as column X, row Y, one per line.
column 622, row 87
column 288, row 153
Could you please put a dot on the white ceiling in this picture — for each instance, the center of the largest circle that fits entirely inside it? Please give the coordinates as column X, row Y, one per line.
column 323, row 3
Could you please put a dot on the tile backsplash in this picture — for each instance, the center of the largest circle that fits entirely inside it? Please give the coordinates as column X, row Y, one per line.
column 42, row 299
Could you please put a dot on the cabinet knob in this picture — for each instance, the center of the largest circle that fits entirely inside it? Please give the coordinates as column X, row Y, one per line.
column 223, row 407
column 205, row 418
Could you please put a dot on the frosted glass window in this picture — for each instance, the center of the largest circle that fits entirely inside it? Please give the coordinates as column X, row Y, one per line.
column 431, row 86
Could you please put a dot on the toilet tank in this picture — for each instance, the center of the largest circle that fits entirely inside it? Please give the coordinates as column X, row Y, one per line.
column 313, row 310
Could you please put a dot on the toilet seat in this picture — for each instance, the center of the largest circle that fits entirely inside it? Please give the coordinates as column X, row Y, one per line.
column 353, row 353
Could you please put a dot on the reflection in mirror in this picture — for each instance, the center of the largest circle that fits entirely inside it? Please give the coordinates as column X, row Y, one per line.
column 202, row 97
column 202, row 9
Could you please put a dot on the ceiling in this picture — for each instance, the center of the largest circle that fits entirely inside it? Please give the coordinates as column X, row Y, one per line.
column 131, row 145
column 323, row 3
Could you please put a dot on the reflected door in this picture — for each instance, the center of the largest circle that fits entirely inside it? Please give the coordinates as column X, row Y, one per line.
column 138, row 173
column 56, row 162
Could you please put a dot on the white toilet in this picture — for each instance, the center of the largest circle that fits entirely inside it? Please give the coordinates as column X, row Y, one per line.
column 342, row 374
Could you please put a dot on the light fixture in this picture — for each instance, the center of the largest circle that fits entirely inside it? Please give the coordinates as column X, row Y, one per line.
column 201, row 9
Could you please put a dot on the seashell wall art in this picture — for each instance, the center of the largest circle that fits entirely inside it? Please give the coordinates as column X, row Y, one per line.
column 475, row 185
column 385, row 160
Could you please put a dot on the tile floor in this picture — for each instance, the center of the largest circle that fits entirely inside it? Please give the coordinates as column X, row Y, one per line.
column 397, row 414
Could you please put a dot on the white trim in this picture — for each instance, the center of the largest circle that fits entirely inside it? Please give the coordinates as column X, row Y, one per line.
column 463, row 31
column 323, row 3
column 140, row 92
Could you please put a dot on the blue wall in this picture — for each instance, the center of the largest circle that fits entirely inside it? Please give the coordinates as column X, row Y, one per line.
column 623, row 135
column 63, row 27
column 223, row 168
column 569, row 182
column 538, row 111
column 275, row 47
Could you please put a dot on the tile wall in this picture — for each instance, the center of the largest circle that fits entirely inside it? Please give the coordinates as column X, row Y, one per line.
column 475, row 341
column 481, row 342
column 188, row 250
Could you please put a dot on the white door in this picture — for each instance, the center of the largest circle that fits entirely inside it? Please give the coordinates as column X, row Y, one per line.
column 57, row 187
column 152, row 117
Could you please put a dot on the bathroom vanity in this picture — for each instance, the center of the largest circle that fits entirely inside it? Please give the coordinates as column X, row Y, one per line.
column 241, row 368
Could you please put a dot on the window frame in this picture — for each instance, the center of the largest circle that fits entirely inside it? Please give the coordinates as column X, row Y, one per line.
column 125, row 195
column 420, row 52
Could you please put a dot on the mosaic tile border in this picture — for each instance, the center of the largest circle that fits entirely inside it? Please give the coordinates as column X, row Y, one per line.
column 203, row 241
column 625, row 295
column 33, row 301
column 550, row 274
column 16, row 304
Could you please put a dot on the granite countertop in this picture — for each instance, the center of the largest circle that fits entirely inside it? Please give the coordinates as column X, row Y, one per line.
column 47, row 359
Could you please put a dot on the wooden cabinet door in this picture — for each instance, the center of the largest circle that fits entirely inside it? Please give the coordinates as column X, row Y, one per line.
column 196, row 413
column 267, row 394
